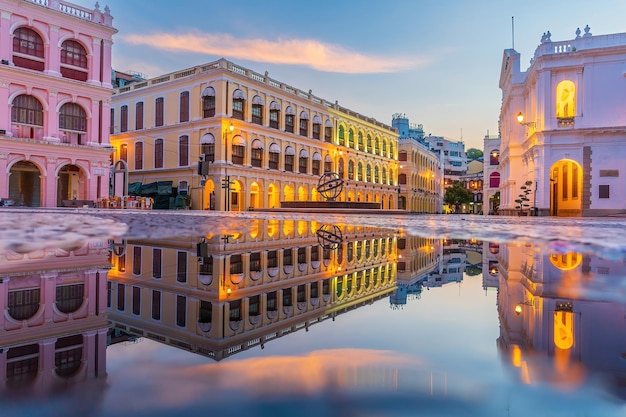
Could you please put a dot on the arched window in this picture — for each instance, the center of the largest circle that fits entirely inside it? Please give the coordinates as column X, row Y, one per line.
column 257, row 153
column 274, row 156
column 290, row 117
column 183, row 151
column 274, row 115
column 316, row 163
column 124, row 119
column 208, row 102
column 207, row 142
column 494, row 180
column 351, row 138
column 72, row 117
column 376, row 174
column 350, row 170
column 239, row 101
column 368, row 173
column 368, row 144
column 73, row 54
column 158, row 153
column 377, row 146
column 27, row 110
column 340, row 168
column 289, row 158
column 304, row 124
column 565, row 100
column 139, row 115
column 303, row 161
column 317, row 127
column 360, row 144
column 238, row 150
column 402, row 179
column 184, row 107
column 28, row 49
column 494, row 157
column 158, row 111
column 257, row 110
column 342, row 136
column 328, row 131
column 139, row 155
column 360, row 171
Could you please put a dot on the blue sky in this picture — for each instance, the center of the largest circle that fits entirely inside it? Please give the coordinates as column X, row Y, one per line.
column 436, row 61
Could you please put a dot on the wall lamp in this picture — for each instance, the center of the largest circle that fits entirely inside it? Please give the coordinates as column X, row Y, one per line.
column 518, row 307
column 520, row 119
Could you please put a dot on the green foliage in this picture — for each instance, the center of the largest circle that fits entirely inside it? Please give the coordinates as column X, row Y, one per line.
column 457, row 194
column 473, row 154
column 522, row 198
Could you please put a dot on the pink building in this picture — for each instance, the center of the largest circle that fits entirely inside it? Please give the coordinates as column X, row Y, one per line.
column 55, row 67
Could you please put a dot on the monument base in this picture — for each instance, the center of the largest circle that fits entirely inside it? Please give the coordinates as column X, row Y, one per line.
column 353, row 205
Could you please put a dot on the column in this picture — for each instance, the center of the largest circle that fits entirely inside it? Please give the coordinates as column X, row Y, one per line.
column 93, row 63
column 53, row 58
column 106, row 64
column 6, row 40
column 51, row 124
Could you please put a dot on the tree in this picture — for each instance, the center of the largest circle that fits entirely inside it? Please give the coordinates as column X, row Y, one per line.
column 522, row 198
column 473, row 154
column 457, row 194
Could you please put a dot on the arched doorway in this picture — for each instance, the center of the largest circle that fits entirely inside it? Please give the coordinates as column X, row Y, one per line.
column 302, row 194
column 289, row 194
column 566, row 178
column 273, row 196
column 256, row 195
column 25, row 184
column 236, row 196
column 70, row 184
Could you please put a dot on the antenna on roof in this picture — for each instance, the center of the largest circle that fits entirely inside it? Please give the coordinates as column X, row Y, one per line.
column 513, row 32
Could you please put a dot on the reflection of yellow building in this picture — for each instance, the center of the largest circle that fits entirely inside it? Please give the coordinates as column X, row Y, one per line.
column 54, row 326
column 271, row 140
column 215, row 297
column 558, row 323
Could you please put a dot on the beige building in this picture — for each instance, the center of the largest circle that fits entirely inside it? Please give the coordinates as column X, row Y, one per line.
column 420, row 178
column 225, row 293
column 272, row 142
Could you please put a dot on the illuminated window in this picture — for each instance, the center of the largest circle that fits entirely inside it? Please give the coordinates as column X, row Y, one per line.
column 565, row 100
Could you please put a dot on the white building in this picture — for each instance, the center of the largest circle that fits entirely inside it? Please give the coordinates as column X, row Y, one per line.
column 571, row 140
column 491, row 175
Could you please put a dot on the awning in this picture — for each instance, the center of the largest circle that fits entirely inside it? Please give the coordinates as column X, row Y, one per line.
column 317, row 156
column 317, row 120
column 257, row 144
column 134, row 188
column 304, row 115
column 290, row 110
column 328, row 123
column 207, row 139
column 239, row 141
column 274, row 148
column 290, row 151
column 238, row 94
column 304, row 153
column 274, row 106
column 257, row 100
column 208, row 92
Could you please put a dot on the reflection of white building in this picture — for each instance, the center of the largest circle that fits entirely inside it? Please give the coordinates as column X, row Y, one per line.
column 418, row 257
column 217, row 298
column 490, row 264
column 566, row 321
column 563, row 127
column 452, row 265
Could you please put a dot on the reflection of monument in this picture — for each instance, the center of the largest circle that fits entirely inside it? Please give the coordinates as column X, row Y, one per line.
column 560, row 314
column 217, row 298
column 330, row 186
column 54, row 326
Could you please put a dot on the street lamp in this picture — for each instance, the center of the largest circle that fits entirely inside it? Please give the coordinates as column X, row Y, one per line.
column 226, row 182
column 520, row 119
column 518, row 307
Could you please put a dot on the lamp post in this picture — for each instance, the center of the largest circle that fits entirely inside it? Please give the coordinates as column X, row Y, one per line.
column 226, row 182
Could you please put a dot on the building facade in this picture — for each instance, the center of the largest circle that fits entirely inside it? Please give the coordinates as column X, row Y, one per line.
column 472, row 181
column 55, row 63
column 420, row 177
column 563, row 127
column 453, row 155
column 263, row 142
column 491, row 175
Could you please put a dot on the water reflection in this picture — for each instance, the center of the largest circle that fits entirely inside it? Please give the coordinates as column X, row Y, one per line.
column 562, row 316
column 226, row 296
column 54, row 326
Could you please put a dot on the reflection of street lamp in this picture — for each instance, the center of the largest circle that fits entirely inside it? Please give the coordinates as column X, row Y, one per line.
column 518, row 307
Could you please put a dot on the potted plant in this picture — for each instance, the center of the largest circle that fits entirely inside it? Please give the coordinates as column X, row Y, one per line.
column 522, row 199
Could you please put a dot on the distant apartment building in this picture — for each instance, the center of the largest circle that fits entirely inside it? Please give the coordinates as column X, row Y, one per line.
column 491, row 174
column 472, row 181
column 55, row 63
column 563, row 126
column 453, row 155
column 228, row 138
column 420, row 178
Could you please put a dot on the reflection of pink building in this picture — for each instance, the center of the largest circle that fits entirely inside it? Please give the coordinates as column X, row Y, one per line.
column 53, row 329
column 55, row 63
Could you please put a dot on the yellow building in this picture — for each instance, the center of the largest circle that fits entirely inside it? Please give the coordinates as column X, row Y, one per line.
column 272, row 141
column 223, row 293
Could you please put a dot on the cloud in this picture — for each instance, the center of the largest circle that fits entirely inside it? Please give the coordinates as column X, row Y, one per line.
column 306, row 52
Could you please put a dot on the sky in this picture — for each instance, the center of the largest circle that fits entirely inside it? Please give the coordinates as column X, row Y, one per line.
column 436, row 61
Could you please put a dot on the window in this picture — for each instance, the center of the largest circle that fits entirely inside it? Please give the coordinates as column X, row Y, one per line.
column 273, row 159
column 136, row 300
column 181, row 266
column 368, row 144
column 139, row 116
column 303, row 162
column 494, row 180
column 72, row 117
column 565, row 184
column 124, row 119
column 158, row 112
column 183, row 151
column 121, row 296
column 181, row 310
column 402, row 156
column 124, row 152
column 350, row 170
column 342, row 136
column 289, row 121
column 603, row 191
column 351, row 138
column 239, row 152
column 112, row 122
column 257, row 110
column 574, row 181
column 274, row 117
column 156, row 305
column 208, row 102
column 28, row 42
column 494, row 157
column 328, row 134
column 74, row 54
column 157, row 256
column 368, row 173
column 158, row 153
column 565, row 100
column 23, row 304
column 184, row 106
column 257, row 156
column 27, row 110
column 139, row 155
column 315, row 168
column 360, row 143
column 317, row 129
column 238, row 105
column 304, row 124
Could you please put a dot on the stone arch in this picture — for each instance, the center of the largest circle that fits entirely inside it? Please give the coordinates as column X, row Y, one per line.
column 566, row 188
